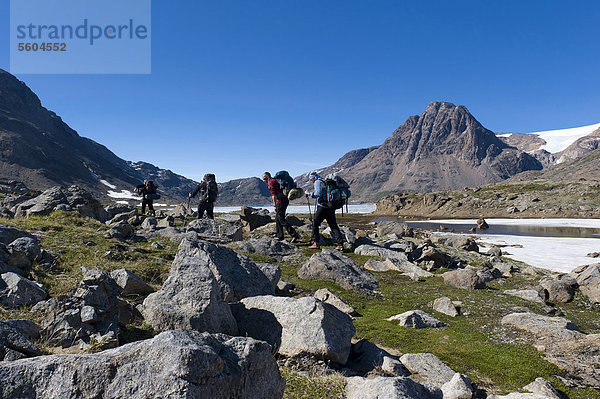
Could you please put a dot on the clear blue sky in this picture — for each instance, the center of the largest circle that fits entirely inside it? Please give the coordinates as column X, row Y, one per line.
column 239, row 87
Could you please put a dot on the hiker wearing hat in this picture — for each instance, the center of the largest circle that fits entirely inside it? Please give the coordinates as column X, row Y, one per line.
column 323, row 212
column 281, row 202
column 209, row 191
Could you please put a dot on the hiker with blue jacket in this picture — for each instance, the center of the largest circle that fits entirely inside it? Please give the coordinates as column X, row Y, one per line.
column 323, row 212
column 281, row 202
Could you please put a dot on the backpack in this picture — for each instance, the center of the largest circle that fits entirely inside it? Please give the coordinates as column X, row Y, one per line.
column 212, row 190
column 150, row 187
column 286, row 181
column 337, row 191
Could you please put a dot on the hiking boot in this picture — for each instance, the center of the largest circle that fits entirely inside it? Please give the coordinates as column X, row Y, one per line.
column 339, row 247
column 314, row 246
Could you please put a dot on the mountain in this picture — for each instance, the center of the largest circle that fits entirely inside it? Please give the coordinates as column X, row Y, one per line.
column 443, row 148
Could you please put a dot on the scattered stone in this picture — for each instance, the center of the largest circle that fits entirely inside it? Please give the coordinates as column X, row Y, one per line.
column 559, row 288
column 14, row 343
column 149, row 223
column 253, row 218
column 432, row 257
column 466, row 278
column 459, row 387
column 417, row 319
column 294, row 326
column 427, row 368
column 329, row 297
column 120, row 231
column 389, row 387
column 528, row 295
column 10, row 234
column 385, row 253
column 168, row 221
column 129, row 283
column 593, row 255
column 175, row 364
column 446, row 306
column 455, row 241
column 23, row 251
column 482, row 224
column 213, row 230
column 272, row 272
column 284, row 288
column 331, row 265
column 407, row 268
column 393, row 227
column 494, row 251
column 588, row 278
column 545, row 327
column 377, row 266
column 16, row 291
column 543, row 387
column 266, row 246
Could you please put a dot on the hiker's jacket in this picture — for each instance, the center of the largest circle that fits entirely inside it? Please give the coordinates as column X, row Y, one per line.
column 202, row 189
column 277, row 192
column 320, row 193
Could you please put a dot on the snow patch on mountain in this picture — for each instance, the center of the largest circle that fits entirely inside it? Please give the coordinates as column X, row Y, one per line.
column 558, row 140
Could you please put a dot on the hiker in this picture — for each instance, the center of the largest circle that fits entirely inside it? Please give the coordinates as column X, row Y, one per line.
column 148, row 193
column 281, row 202
column 323, row 212
column 209, row 191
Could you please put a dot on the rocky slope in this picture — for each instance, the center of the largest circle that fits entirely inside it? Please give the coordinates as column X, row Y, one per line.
column 443, row 148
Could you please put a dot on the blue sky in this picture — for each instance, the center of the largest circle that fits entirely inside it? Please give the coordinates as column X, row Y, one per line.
column 240, row 87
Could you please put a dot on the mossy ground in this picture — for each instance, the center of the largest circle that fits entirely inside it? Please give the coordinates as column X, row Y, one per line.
column 474, row 343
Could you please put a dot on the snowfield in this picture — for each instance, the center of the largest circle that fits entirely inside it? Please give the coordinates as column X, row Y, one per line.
column 558, row 140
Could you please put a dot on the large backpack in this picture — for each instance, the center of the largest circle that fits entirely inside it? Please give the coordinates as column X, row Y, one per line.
column 337, row 191
column 286, row 181
column 151, row 193
column 212, row 190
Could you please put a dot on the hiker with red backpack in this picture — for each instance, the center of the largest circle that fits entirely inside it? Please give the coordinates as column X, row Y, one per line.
column 209, row 192
column 281, row 202
column 148, row 193
column 326, row 206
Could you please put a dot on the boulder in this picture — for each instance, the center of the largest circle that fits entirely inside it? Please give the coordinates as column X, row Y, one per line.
column 427, row 368
column 14, row 343
column 432, row 256
column 272, row 272
column 252, row 218
column 13, row 187
column 482, row 224
column 93, row 300
column 189, row 299
column 543, row 387
column 385, row 253
column 528, row 295
column 394, row 227
column 168, row 221
column 389, row 388
column 446, row 306
column 407, row 268
column 236, row 275
column 456, row 241
column 546, row 327
column 588, row 278
column 494, row 251
column 23, row 252
column 121, row 231
column 284, row 288
column 459, row 387
column 266, row 246
column 213, row 230
column 558, row 288
column 402, row 245
column 149, row 223
column 378, row 266
column 10, row 234
column 329, row 297
column 113, row 210
column 416, row 319
column 331, row 265
column 295, row 326
column 175, row 364
column 365, row 357
column 121, row 217
column 520, row 395
column 16, row 291
column 129, row 283
column 467, row 278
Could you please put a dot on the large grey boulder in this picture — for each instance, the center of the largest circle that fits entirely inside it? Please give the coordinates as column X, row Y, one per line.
column 16, row 291
column 272, row 272
column 546, row 327
column 389, row 388
column 267, row 246
column 88, row 313
column 432, row 258
column 23, row 252
column 236, row 275
column 528, row 295
column 149, row 223
column 375, row 250
column 214, row 230
column 329, row 297
column 189, row 299
column 331, row 265
column 121, row 231
column 456, row 241
column 174, row 364
column 14, row 342
column 427, row 368
column 295, row 326
column 253, row 218
column 408, row 268
column 558, row 288
column 400, row 229
column 129, row 283
column 588, row 278
column 10, row 234
column 467, row 278
column 459, row 387
column 416, row 319
column 113, row 210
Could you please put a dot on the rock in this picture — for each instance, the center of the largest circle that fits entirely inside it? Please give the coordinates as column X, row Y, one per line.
column 266, row 246
column 542, row 387
column 236, row 275
column 23, row 252
column 329, row 297
column 433, row 256
column 558, row 288
column 64, row 325
column 120, row 231
column 121, row 217
column 456, row 241
column 294, row 326
column 10, row 234
column 331, row 265
column 377, row 266
column 459, row 387
column 505, row 269
column 272, row 272
column 284, row 288
column 528, row 295
column 252, row 218
column 189, row 299
column 389, row 388
column 393, row 227
column 14, row 344
column 176, row 364
column 168, row 221
column 402, row 245
column 113, row 210
column 27, row 328
column 494, row 251
column 129, row 283
column 416, row 319
column 365, row 356
column 407, row 268
column 149, row 223
column 427, row 368
column 589, row 282
column 466, row 278
column 212, row 230
column 446, row 306
column 374, row 250
column 482, row 224
column 556, row 328
column 16, row 291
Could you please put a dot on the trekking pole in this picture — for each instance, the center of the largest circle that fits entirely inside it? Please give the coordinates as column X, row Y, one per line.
column 186, row 211
column 309, row 211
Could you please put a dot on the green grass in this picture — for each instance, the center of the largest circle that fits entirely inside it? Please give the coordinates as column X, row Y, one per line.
column 299, row 386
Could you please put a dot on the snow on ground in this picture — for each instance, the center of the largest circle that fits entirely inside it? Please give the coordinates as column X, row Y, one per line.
column 107, row 184
column 302, row 209
column 125, row 194
column 581, row 223
column 558, row 140
column 122, row 202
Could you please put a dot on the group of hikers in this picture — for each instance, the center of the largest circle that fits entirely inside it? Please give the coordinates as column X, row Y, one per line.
column 330, row 193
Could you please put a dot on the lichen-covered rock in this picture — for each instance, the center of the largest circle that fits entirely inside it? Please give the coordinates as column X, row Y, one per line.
column 214, row 230
column 389, row 388
column 416, row 319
